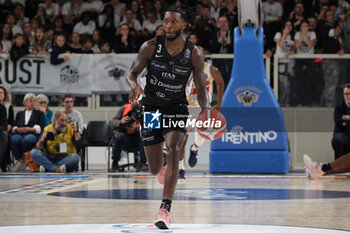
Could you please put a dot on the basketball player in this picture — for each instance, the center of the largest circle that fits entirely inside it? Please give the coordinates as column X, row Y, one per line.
column 211, row 74
column 316, row 170
column 170, row 59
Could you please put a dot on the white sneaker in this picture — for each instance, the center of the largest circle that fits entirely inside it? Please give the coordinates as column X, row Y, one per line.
column 63, row 168
column 42, row 169
column 313, row 170
column 19, row 167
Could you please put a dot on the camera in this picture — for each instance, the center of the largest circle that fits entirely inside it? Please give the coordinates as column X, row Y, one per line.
column 134, row 115
column 50, row 136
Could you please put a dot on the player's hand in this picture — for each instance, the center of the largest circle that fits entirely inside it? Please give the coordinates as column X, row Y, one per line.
column 134, row 94
column 217, row 107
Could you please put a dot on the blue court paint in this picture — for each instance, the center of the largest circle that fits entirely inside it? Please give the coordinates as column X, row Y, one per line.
column 214, row 194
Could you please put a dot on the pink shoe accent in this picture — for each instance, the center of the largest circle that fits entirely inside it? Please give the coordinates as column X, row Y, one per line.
column 161, row 175
column 162, row 219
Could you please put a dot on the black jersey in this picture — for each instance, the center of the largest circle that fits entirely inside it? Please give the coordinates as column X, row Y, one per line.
column 167, row 76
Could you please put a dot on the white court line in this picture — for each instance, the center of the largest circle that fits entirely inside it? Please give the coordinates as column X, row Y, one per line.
column 176, row 228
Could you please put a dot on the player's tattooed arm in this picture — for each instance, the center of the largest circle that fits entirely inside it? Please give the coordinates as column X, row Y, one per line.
column 198, row 77
column 144, row 55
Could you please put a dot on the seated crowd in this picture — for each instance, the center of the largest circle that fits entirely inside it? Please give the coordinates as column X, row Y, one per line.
column 95, row 26
column 35, row 138
column 39, row 140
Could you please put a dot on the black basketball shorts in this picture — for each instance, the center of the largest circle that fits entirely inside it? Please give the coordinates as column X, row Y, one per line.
column 156, row 122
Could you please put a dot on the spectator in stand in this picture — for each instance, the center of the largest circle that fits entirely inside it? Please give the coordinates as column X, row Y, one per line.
column 11, row 20
column 222, row 37
column 93, row 7
column 136, row 10
column 330, row 42
column 345, row 38
column 96, row 38
column 5, row 9
column 58, row 26
column 51, row 9
column 86, row 44
column 304, row 39
column 313, row 27
column 6, row 37
column 34, row 24
column 104, row 46
column 321, row 14
column 3, row 137
column 42, row 104
column 41, row 18
column 85, row 26
column 108, row 21
column 74, row 45
column 230, row 10
column 73, row 115
column 18, row 12
column 70, row 13
column 49, row 33
column 7, row 127
column 273, row 12
column 3, row 55
column 150, row 25
column 285, row 47
column 214, row 13
column 5, row 100
column 307, row 74
column 59, row 47
column 19, row 48
column 159, row 8
column 341, row 133
column 58, row 158
column 204, row 27
column 40, row 45
column 124, row 42
column 345, row 32
column 131, row 22
column 297, row 15
column 31, row 7
column 119, row 8
column 28, row 33
column 27, row 127
column 333, row 6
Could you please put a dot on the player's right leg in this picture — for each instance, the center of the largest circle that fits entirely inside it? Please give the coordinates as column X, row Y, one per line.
column 154, row 155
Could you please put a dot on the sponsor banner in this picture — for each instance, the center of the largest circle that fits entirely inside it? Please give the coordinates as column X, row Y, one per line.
column 109, row 72
column 82, row 74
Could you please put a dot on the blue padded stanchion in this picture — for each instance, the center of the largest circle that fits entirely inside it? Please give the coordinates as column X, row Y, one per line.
column 256, row 140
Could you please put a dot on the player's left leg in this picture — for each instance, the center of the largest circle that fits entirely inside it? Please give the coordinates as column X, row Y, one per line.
column 173, row 142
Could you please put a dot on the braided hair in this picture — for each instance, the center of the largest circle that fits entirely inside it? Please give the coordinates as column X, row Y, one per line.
column 186, row 12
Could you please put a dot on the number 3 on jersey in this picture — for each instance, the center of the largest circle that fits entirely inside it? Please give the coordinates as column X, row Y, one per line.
column 159, row 49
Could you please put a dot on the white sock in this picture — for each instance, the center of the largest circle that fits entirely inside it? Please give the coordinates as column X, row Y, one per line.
column 181, row 165
column 198, row 140
column 194, row 147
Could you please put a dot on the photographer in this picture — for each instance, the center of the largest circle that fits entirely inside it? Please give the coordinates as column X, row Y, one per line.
column 128, row 136
column 56, row 149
